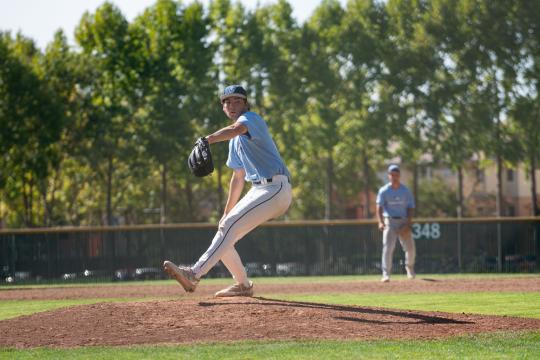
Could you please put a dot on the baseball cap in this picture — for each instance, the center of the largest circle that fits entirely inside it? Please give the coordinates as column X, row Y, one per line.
column 393, row 167
column 233, row 91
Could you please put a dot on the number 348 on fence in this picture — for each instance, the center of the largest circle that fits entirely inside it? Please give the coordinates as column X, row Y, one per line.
column 430, row 231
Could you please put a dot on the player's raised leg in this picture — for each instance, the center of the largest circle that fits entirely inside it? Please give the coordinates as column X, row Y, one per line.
column 261, row 203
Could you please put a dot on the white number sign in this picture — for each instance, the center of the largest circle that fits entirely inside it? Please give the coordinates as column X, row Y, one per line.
column 427, row 231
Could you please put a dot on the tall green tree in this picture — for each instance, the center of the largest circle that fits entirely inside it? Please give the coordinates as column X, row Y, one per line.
column 104, row 38
column 363, row 126
column 31, row 123
column 526, row 111
column 174, row 60
column 58, row 69
column 411, row 62
column 318, row 126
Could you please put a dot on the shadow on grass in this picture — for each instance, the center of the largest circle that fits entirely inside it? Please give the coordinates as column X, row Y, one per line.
column 419, row 318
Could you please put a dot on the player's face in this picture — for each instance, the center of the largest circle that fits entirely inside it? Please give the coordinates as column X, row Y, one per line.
column 233, row 107
column 394, row 177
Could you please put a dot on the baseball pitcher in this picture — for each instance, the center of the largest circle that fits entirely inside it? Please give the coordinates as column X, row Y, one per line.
column 395, row 207
column 253, row 157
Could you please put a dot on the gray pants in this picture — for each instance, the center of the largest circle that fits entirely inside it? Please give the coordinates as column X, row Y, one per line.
column 391, row 231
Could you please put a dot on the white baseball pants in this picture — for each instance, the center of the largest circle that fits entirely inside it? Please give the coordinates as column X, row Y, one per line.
column 390, row 237
column 261, row 203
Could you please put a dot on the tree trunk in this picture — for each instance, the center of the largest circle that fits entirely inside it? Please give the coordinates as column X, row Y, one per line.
column 28, row 190
column 189, row 199
column 46, row 212
column 499, row 202
column 459, row 215
column 31, row 198
column 415, row 186
column 459, row 208
column 535, row 209
column 329, row 185
column 367, row 213
column 163, row 207
column 110, row 170
column 220, row 189
column 26, row 203
column 1, row 209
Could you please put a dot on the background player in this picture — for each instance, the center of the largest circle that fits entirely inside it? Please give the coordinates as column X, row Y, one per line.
column 395, row 207
column 253, row 157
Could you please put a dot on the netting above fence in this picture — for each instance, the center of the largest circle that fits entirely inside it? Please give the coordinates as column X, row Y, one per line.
column 276, row 248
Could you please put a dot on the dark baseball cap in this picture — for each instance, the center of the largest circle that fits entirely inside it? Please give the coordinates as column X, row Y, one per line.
column 393, row 167
column 233, row 91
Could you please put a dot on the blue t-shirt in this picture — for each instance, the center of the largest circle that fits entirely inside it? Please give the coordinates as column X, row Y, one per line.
column 255, row 151
column 395, row 202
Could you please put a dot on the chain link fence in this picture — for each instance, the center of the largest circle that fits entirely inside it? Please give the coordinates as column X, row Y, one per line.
column 274, row 249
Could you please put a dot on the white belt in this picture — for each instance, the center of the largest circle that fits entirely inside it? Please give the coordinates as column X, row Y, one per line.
column 273, row 179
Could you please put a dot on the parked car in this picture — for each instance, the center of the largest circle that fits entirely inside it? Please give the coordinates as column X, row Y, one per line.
column 69, row 276
column 148, row 273
column 122, row 275
column 96, row 274
column 18, row 276
column 258, row 269
column 290, row 268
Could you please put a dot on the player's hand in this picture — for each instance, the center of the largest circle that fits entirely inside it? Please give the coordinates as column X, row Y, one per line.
column 405, row 230
column 381, row 226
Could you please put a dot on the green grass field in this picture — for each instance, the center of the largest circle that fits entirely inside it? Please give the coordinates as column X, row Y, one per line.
column 278, row 280
column 523, row 345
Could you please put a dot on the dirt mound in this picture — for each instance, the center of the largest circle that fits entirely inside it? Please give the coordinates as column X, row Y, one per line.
column 190, row 321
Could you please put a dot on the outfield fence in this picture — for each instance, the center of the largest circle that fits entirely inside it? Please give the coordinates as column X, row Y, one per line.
column 276, row 248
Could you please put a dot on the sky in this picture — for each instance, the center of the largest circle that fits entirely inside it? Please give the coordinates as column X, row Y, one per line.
column 39, row 19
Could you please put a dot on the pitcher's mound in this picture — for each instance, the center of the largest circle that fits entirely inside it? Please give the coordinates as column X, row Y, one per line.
column 212, row 320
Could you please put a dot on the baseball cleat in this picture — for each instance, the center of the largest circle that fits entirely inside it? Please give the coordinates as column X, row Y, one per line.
column 385, row 279
column 184, row 275
column 410, row 273
column 236, row 290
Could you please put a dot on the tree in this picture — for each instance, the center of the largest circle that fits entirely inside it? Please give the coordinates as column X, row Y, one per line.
column 31, row 123
column 320, row 64
column 525, row 117
column 411, row 63
column 105, row 39
column 174, row 58
column 363, row 125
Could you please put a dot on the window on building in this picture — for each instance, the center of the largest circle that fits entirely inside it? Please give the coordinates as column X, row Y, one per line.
column 480, row 175
column 511, row 211
column 425, row 172
column 510, row 175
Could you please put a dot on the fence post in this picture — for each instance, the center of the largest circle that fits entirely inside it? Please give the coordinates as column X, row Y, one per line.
column 460, row 264
column 14, row 256
column 499, row 247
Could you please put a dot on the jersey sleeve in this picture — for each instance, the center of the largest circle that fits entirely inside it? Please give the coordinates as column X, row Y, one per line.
column 254, row 125
column 380, row 197
column 233, row 161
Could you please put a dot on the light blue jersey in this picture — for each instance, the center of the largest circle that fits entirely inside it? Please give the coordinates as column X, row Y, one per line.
column 395, row 202
column 255, row 151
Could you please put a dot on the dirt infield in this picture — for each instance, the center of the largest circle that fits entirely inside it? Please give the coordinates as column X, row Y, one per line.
column 420, row 285
column 200, row 318
column 237, row 319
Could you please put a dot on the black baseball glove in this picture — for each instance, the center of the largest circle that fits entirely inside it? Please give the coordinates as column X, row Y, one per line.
column 200, row 160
